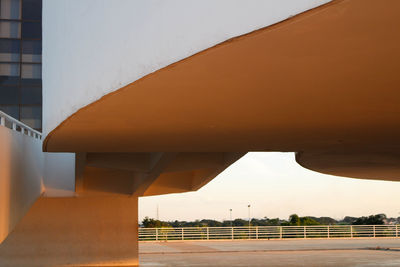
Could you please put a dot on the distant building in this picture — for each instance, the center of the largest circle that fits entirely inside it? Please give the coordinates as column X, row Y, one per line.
column 21, row 60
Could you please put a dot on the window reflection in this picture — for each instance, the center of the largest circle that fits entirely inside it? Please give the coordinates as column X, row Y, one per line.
column 9, row 69
column 10, row 29
column 31, row 71
column 9, row 95
column 31, row 96
column 31, row 82
column 9, row 81
column 31, row 115
column 10, row 9
column 32, row 51
column 31, row 30
column 12, row 110
column 32, row 10
column 9, row 50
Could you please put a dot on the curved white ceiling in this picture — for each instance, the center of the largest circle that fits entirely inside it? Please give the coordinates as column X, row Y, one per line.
column 94, row 47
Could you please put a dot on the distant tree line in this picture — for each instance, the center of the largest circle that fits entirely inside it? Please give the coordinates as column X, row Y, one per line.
column 294, row 220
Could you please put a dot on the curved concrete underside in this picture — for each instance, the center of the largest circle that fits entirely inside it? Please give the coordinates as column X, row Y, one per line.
column 146, row 174
column 324, row 83
column 384, row 165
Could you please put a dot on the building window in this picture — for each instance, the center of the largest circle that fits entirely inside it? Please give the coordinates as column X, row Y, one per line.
column 10, row 9
column 21, row 60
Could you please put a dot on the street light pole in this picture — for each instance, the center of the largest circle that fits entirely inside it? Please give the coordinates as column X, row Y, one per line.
column 249, row 213
column 248, row 206
column 230, row 210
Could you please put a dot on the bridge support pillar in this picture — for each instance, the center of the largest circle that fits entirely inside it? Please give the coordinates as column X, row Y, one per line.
column 76, row 231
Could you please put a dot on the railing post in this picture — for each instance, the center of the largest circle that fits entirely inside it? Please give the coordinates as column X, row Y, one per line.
column 305, row 232
column 15, row 124
column 280, row 232
column 232, row 236
column 374, row 230
column 256, row 232
column 351, row 231
column 156, row 234
column 182, row 234
column 208, row 234
column 397, row 231
column 328, row 231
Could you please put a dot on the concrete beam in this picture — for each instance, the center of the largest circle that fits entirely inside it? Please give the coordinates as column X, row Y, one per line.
column 159, row 162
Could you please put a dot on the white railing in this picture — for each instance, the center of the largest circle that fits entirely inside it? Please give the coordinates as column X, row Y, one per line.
column 268, row 232
column 16, row 125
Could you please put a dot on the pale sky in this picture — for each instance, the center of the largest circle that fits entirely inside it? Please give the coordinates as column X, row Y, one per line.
column 276, row 186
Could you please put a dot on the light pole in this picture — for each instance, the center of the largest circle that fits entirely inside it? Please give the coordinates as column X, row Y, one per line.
column 248, row 206
column 230, row 211
column 249, row 213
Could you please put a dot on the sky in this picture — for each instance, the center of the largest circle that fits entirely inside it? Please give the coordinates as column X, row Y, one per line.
column 275, row 186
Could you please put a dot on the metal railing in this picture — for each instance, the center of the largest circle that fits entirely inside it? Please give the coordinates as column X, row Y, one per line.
column 16, row 125
column 268, row 232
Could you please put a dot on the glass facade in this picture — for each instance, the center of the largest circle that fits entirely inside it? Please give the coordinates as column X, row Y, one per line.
column 21, row 60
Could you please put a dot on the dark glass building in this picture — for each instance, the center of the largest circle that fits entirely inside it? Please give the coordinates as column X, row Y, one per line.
column 21, row 60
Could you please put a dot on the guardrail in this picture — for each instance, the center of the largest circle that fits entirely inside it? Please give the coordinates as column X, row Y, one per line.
column 16, row 125
column 267, row 232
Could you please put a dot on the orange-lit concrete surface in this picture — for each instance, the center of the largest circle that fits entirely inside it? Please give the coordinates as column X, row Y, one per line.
column 75, row 231
column 146, row 174
column 323, row 83
column 354, row 252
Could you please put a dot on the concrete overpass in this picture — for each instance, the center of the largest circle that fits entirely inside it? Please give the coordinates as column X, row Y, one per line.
column 322, row 83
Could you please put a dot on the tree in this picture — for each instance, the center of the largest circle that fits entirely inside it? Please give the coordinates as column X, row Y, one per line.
column 274, row 222
column 151, row 223
column 370, row 220
column 348, row 220
column 240, row 222
column 308, row 221
column 210, row 223
column 324, row 220
column 294, row 219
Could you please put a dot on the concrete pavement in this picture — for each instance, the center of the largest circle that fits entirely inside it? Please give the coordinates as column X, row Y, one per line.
column 316, row 252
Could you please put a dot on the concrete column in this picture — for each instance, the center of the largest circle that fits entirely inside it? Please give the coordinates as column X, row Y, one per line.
column 75, row 231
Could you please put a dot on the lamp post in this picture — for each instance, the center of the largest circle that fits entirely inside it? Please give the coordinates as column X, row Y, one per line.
column 230, row 213
column 248, row 206
column 249, row 213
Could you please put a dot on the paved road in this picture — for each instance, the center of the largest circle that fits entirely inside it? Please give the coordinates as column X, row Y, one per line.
column 334, row 252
